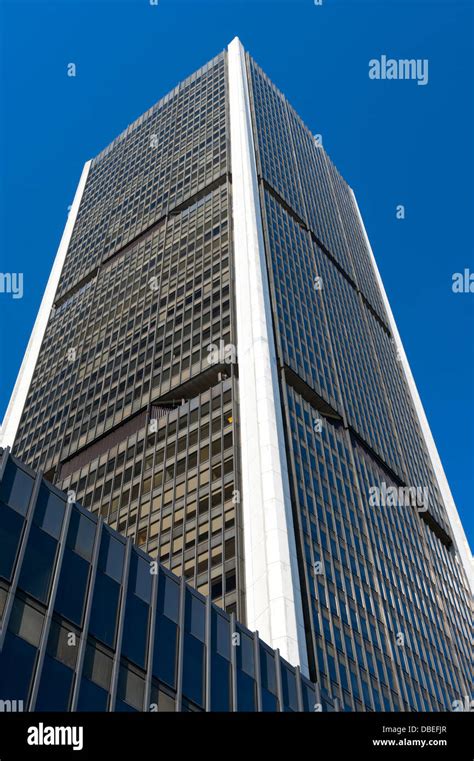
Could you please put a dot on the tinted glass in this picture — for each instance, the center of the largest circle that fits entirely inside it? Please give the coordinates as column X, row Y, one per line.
column 91, row 697
column 193, row 669
column 195, row 616
column 245, row 692
column 104, row 609
column 38, row 564
column 140, row 577
column 135, row 630
column 81, row 534
column 11, row 525
column 49, row 512
column 15, row 488
column 220, row 683
column 72, row 587
column 111, row 556
column 55, row 686
column 168, row 597
column 164, row 655
column 16, row 666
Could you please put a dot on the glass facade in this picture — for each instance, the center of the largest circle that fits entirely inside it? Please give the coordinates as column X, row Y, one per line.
column 132, row 636
column 387, row 604
column 133, row 360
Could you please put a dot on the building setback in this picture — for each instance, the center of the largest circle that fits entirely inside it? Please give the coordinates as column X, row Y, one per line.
column 216, row 372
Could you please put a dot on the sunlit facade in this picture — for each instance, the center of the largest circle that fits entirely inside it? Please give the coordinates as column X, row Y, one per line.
column 219, row 378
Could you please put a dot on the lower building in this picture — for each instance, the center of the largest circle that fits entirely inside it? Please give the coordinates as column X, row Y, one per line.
column 89, row 622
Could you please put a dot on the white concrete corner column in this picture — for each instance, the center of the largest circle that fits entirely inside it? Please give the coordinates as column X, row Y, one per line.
column 459, row 535
column 273, row 594
column 17, row 401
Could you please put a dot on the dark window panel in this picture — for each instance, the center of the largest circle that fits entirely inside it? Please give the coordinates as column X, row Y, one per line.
column 38, row 564
column 11, row 524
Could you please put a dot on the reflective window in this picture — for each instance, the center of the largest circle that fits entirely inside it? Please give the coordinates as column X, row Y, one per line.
column 245, row 692
column 81, row 534
column 16, row 666
column 220, row 634
column 92, row 697
column 111, row 556
column 135, row 631
column 220, row 683
column 195, row 616
column 140, row 578
column 37, row 568
column 104, row 609
column 268, row 679
column 55, row 686
column 193, row 669
column 168, row 597
column 11, row 525
column 72, row 586
column 288, row 684
column 49, row 512
column 15, row 488
column 164, row 653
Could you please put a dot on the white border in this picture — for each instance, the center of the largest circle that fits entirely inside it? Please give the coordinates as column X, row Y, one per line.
column 15, row 407
column 451, row 510
column 273, row 594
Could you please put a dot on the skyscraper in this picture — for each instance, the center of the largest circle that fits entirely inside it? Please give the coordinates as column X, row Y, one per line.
column 216, row 370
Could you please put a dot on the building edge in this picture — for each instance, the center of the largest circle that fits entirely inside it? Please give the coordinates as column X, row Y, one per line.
column 273, row 593
column 459, row 535
column 19, row 394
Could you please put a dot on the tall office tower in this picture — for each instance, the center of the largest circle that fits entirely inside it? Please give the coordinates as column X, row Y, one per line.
column 222, row 379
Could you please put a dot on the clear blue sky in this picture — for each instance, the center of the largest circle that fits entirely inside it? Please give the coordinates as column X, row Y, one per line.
column 395, row 143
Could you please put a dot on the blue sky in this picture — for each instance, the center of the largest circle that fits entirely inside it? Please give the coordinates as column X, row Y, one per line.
column 395, row 142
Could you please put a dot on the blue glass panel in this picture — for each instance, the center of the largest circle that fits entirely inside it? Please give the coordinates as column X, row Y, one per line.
column 220, row 633
column 140, row 577
column 10, row 531
column 220, row 683
column 38, row 564
column 81, row 534
column 135, row 630
column 49, row 511
column 290, row 695
column 267, row 670
column 245, row 692
column 193, row 669
column 72, row 587
column 55, row 686
column 111, row 556
column 269, row 701
column 168, row 597
column 91, row 697
column 195, row 616
column 164, row 655
column 104, row 609
column 16, row 665
column 245, row 654
column 15, row 488
column 122, row 707
column 309, row 697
